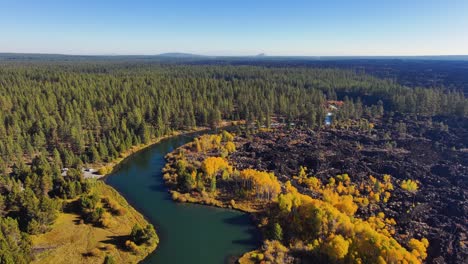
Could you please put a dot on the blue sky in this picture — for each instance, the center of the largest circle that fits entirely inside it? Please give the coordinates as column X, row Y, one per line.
column 236, row 27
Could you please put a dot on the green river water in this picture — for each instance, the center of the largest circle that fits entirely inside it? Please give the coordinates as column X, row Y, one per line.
column 188, row 233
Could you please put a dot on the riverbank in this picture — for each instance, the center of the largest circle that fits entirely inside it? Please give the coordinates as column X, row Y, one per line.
column 105, row 169
column 216, row 197
column 205, row 234
column 72, row 241
column 190, row 187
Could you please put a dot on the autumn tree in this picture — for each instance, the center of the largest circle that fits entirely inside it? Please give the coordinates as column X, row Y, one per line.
column 213, row 165
column 335, row 247
column 409, row 185
column 263, row 184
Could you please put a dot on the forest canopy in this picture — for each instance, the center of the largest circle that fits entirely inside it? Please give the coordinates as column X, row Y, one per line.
column 64, row 115
column 92, row 112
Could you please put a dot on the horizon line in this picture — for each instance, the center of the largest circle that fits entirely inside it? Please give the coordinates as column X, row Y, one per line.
column 258, row 55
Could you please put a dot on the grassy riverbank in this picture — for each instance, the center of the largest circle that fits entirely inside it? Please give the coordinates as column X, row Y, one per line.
column 70, row 240
column 73, row 241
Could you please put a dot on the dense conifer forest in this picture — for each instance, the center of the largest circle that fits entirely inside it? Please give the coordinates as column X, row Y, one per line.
column 57, row 115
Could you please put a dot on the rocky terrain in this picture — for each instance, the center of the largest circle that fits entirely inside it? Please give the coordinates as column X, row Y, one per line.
column 432, row 151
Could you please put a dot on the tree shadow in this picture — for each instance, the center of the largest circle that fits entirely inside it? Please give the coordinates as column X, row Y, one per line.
column 239, row 220
column 117, row 241
column 253, row 233
column 87, row 254
column 72, row 207
column 161, row 188
column 247, row 242
column 158, row 188
column 78, row 220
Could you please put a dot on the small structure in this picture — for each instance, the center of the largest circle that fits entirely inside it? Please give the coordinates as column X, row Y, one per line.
column 64, row 172
column 328, row 119
column 332, row 106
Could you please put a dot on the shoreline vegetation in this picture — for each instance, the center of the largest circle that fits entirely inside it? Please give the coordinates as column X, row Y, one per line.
column 96, row 243
column 72, row 240
column 321, row 226
column 221, row 201
column 105, row 169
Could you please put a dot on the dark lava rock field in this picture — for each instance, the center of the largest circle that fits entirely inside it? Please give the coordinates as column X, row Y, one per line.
column 431, row 151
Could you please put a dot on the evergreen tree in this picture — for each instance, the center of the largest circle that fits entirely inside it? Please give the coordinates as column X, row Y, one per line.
column 213, row 184
column 277, row 232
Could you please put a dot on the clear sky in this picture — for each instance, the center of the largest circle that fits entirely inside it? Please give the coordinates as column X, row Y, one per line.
column 235, row 27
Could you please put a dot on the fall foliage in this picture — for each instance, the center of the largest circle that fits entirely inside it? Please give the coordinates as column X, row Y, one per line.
column 409, row 185
column 321, row 219
column 213, row 165
column 262, row 184
column 330, row 231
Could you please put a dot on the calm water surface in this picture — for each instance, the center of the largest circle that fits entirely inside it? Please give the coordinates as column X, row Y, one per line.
column 188, row 233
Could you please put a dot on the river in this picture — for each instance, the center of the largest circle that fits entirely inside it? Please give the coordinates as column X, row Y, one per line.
column 188, row 233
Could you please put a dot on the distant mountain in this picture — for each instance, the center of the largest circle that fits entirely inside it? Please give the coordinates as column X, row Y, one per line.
column 192, row 55
column 180, row 55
